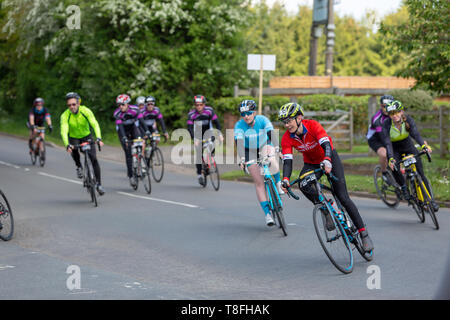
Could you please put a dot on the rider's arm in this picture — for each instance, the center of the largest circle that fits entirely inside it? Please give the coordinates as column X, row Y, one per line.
column 414, row 132
column 215, row 120
column 161, row 122
column 386, row 138
column 31, row 118
column 65, row 127
column 322, row 137
column 286, row 150
column 93, row 122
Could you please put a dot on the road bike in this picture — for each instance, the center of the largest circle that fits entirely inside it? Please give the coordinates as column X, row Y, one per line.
column 154, row 157
column 340, row 240
column 88, row 176
column 388, row 190
column 272, row 194
column 139, row 166
column 421, row 197
column 209, row 165
column 6, row 218
column 38, row 147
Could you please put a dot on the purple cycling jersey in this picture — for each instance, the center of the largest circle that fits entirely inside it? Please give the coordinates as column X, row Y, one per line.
column 206, row 116
column 376, row 124
column 129, row 117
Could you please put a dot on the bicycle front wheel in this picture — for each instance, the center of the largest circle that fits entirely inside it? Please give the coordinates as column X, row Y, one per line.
column 145, row 176
column 156, row 164
column 214, row 173
column 414, row 202
column 427, row 201
column 386, row 189
column 90, row 180
column 335, row 243
column 42, row 153
column 6, row 219
column 277, row 209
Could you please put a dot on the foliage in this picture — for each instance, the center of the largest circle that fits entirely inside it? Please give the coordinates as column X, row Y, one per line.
column 414, row 99
column 424, row 38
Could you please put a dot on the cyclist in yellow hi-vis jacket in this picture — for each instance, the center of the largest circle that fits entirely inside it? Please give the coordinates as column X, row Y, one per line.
column 76, row 124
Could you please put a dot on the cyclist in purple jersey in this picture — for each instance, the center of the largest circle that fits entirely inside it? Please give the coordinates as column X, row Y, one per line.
column 127, row 116
column 152, row 114
column 202, row 117
column 373, row 134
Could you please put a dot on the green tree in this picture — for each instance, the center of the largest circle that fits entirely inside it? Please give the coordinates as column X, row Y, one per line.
column 425, row 40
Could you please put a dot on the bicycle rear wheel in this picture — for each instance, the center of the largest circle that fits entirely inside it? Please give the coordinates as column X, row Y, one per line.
column 335, row 243
column 386, row 190
column 277, row 209
column 6, row 219
column 427, row 201
column 156, row 164
column 214, row 173
column 145, row 176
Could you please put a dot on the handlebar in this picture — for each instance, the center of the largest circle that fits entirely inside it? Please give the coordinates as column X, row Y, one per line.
column 293, row 195
column 421, row 153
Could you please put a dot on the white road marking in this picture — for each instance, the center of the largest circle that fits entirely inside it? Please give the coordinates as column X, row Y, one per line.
column 9, row 164
column 160, row 200
column 4, row 267
column 59, row 178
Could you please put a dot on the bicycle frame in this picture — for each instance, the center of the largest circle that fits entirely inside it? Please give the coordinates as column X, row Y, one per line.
column 409, row 163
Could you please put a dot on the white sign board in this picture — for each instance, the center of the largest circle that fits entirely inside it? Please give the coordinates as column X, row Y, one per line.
column 254, row 62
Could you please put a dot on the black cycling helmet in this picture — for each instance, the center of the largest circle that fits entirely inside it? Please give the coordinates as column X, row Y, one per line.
column 72, row 95
column 247, row 105
column 150, row 99
column 199, row 99
column 386, row 99
column 38, row 100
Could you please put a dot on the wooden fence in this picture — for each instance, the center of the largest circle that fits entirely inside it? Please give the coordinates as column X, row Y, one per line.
column 433, row 127
column 338, row 124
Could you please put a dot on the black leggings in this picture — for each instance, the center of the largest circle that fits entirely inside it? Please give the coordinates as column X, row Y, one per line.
column 131, row 132
column 407, row 147
column 339, row 187
column 91, row 153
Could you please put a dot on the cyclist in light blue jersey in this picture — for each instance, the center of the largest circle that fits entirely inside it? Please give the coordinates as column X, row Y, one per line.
column 254, row 137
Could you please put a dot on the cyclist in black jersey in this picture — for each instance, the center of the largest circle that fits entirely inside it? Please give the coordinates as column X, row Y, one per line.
column 396, row 134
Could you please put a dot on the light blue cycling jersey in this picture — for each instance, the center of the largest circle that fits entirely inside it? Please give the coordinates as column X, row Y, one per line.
column 254, row 137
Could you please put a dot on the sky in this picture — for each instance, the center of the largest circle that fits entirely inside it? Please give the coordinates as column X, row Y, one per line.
column 355, row 8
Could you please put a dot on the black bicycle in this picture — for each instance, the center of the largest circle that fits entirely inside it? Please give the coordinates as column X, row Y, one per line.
column 337, row 234
column 89, row 180
column 154, row 157
column 388, row 190
column 140, row 167
column 38, row 147
column 6, row 218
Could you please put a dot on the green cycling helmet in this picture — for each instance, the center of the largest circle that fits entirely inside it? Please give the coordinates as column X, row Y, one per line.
column 289, row 111
column 394, row 106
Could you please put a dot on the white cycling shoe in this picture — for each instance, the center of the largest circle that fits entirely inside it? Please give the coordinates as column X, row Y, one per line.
column 280, row 190
column 269, row 220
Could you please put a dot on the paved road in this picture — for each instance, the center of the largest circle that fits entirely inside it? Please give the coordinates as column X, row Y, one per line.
column 183, row 242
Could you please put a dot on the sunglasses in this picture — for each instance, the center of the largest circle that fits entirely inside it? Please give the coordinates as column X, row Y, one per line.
column 71, row 104
column 247, row 113
column 393, row 113
column 286, row 121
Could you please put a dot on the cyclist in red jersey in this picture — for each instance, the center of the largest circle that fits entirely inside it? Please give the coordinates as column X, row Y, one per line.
column 311, row 139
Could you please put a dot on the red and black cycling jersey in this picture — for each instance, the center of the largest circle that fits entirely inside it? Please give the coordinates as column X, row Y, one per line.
column 39, row 116
column 309, row 144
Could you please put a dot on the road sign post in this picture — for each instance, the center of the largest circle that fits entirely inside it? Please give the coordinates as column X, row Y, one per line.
column 261, row 62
